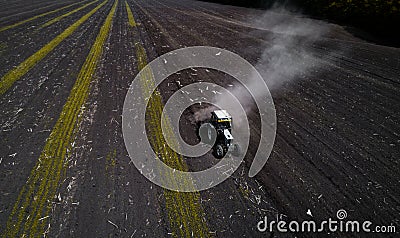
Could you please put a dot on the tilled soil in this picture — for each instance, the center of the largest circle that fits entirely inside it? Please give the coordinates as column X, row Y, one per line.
column 337, row 137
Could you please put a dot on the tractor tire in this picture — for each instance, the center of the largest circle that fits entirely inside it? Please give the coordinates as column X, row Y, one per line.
column 219, row 151
column 207, row 133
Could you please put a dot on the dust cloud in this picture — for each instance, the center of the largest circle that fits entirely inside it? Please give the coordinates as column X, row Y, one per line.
column 203, row 114
column 287, row 54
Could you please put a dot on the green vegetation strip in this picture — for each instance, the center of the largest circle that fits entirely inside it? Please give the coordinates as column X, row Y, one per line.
column 131, row 20
column 67, row 14
column 185, row 213
column 34, row 202
column 15, row 74
column 4, row 28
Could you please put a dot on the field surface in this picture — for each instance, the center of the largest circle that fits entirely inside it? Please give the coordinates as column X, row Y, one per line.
column 66, row 67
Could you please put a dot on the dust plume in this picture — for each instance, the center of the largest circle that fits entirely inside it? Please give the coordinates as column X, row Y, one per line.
column 204, row 113
column 287, row 53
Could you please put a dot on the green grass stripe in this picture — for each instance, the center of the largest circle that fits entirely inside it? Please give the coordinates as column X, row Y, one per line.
column 42, row 184
column 15, row 74
column 4, row 28
column 131, row 20
column 184, row 211
column 67, row 14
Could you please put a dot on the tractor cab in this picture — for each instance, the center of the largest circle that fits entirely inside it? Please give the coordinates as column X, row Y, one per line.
column 221, row 119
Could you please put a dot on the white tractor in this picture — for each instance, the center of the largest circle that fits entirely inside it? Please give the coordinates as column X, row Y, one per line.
column 216, row 132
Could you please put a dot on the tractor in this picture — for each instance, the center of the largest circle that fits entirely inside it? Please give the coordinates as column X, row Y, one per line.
column 216, row 132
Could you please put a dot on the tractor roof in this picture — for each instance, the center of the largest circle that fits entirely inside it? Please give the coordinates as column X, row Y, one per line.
column 222, row 114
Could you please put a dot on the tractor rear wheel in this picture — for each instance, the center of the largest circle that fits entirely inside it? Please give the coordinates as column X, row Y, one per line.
column 219, row 151
column 207, row 133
